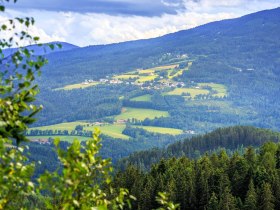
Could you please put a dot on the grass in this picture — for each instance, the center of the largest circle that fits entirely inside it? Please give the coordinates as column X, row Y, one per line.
column 221, row 89
column 161, row 130
column 62, row 138
column 61, row 126
column 143, row 79
column 140, row 114
column 146, row 71
column 177, row 74
column 112, row 130
column 180, row 72
column 224, row 106
column 166, row 67
column 192, row 91
column 77, row 86
column 146, row 97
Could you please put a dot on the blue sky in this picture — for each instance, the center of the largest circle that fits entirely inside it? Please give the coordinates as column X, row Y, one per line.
column 91, row 22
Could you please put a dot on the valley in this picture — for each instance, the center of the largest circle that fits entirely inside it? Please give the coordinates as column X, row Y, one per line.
column 162, row 80
column 186, row 120
column 153, row 92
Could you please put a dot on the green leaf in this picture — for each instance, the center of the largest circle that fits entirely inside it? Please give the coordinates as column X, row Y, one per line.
column 4, row 27
column 51, row 46
column 56, row 141
column 2, row 8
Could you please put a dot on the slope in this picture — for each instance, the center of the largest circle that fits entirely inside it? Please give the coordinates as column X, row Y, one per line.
column 230, row 138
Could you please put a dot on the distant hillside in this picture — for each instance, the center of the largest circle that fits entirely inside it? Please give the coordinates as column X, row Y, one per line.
column 220, row 74
column 249, row 42
column 44, row 49
column 241, row 54
column 230, row 138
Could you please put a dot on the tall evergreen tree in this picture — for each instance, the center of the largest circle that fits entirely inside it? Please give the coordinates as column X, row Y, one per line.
column 266, row 197
column 227, row 201
column 251, row 198
column 213, row 202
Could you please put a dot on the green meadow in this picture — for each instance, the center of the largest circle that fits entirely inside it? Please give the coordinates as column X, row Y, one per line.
column 147, row 78
column 221, row 89
column 140, row 114
column 62, row 138
column 112, row 130
column 77, row 86
column 161, row 130
column 192, row 91
column 146, row 97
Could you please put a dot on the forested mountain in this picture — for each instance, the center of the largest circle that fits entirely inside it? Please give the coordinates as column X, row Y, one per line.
column 223, row 46
column 231, row 139
column 44, row 49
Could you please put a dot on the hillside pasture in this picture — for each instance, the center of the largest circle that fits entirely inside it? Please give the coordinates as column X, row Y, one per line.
column 192, row 91
column 148, row 78
column 140, row 114
column 77, row 86
column 161, row 130
column 180, row 72
column 223, row 106
column 147, row 98
column 112, row 130
column 62, row 138
column 166, row 67
column 221, row 89
column 146, row 71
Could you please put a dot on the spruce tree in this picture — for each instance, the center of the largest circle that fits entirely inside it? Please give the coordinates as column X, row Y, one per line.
column 266, row 197
column 213, row 203
column 251, row 198
column 227, row 201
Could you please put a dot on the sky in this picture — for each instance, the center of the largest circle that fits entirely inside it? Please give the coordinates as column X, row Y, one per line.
column 92, row 22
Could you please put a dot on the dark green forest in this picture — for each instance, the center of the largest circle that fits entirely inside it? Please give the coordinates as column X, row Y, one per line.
column 213, row 181
column 230, row 139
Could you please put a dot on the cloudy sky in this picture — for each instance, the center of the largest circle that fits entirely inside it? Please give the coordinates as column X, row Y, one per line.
column 91, row 22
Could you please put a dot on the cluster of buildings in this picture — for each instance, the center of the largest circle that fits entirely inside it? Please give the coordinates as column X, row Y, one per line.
column 157, row 85
column 41, row 141
column 88, row 81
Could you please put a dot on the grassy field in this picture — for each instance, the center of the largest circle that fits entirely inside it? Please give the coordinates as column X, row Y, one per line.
column 192, row 91
column 114, row 131
column 159, row 68
column 77, row 86
column 177, row 74
column 224, row 106
column 62, row 138
column 143, row 79
column 146, row 71
column 140, row 114
column 180, row 72
column 221, row 89
column 61, row 126
column 161, row 130
column 146, row 97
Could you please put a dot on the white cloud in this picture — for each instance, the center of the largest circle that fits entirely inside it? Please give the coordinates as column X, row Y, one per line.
column 93, row 28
